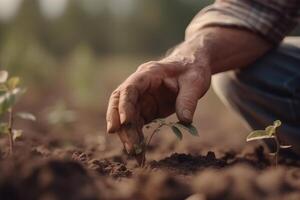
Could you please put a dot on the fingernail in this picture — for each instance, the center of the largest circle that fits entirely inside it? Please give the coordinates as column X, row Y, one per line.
column 187, row 114
column 127, row 147
column 108, row 126
column 122, row 118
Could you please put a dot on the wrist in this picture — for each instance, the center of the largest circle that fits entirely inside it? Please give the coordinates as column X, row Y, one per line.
column 193, row 52
column 195, row 61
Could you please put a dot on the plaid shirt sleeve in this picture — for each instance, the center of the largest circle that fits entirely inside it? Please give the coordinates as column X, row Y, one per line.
column 272, row 19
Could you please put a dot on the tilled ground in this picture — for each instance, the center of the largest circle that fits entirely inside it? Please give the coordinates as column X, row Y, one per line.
column 52, row 171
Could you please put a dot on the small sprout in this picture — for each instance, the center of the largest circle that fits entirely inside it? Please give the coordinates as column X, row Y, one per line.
column 176, row 128
column 9, row 94
column 269, row 133
column 135, row 144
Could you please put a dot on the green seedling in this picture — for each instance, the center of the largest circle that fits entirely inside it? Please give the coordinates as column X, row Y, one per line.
column 10, row 92
column 269, row 133
column 176, row 127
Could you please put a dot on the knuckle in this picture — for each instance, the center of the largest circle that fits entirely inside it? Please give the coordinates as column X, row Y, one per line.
column 129, row 90
column 194, row 76
column 115, row 94
column 148, row 66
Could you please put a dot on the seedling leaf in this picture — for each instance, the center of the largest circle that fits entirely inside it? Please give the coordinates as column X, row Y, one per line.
column 26, row 116
column 17, row 134
column 277, row 123
column 13, row 82
column 190, row 128
column 3, row 76
column 9, row 99
column 270, row 130
column 258, row 135
column 193, row 130
column 177, row 132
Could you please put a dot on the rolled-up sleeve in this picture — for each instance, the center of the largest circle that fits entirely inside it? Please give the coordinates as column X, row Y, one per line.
column 272, row 19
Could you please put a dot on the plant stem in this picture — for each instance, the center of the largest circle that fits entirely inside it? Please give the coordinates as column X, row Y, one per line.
column 277, row 150
column 10, row 132
column 148, row 143
column 153, row 133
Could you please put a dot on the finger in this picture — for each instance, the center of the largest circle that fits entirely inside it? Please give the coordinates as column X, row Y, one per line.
column 112, row 114
column 188, row 96
column 130, row 135
column 149, row 107
column 128, row 104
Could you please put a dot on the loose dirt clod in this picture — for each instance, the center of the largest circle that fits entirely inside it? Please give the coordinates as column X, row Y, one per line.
column 187, row 163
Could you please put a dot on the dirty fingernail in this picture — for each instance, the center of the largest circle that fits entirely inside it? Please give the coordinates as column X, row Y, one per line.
column 127, row 147
column 187, row 114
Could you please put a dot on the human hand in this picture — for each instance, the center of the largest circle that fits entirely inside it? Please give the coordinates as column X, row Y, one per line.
column 156, row 90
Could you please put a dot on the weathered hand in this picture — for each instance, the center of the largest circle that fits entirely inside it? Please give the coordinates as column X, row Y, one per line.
column 157, row 89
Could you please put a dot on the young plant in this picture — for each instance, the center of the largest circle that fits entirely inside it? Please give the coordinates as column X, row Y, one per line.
column 176, row 128
column 269, row 133
column 9, row 93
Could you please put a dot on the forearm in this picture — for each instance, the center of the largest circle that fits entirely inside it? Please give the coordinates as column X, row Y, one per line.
column 220, row 49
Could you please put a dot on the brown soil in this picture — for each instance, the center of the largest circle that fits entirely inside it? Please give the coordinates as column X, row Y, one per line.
column 187, row 163
column 50, row 172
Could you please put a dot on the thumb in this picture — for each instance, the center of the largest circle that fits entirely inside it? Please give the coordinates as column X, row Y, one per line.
column 187, row 99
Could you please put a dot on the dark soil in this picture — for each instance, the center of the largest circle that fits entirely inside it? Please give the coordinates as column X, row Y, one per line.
column 187, row 163
column 48, row 168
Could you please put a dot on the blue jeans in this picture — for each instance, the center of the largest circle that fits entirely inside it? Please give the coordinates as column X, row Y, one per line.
column 267, row 90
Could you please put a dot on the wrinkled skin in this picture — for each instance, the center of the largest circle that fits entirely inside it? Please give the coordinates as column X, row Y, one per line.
column 155, row 90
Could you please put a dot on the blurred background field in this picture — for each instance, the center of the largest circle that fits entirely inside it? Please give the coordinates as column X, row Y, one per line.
column 71, row 54
column 84, row 44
